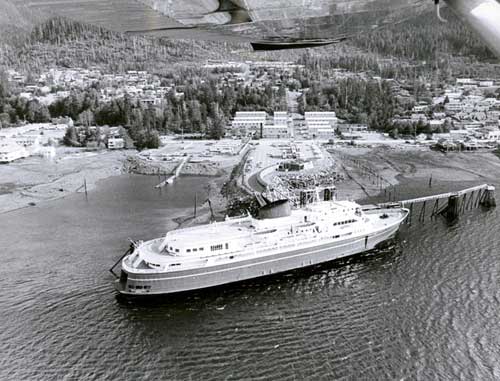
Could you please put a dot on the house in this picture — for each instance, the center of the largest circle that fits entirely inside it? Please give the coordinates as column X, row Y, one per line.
column 116, row 143
column 486, row 83
column 420, row 108
column 492, row 134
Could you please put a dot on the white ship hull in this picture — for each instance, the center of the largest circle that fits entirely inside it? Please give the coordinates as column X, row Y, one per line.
column 216, row 275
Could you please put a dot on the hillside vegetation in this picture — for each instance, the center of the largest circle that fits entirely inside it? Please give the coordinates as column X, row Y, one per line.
column 61, row 42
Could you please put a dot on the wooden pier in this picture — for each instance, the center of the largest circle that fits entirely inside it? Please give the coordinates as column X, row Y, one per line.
column 454, row 205
column 176, row 174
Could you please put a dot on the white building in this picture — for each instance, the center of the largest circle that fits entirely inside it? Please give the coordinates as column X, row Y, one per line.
column 491, row 134
column 248, row 122
column 486, row 83
column 353, row 128
column 116, row 143
column 276, row 132
column 465, row 81
column 420, row 108
column 436, row 123
column 280, row 118
column 454, row 106
column 321, row 124
column 321, row 132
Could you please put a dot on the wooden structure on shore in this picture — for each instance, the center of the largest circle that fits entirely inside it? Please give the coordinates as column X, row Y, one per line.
column 454, row 205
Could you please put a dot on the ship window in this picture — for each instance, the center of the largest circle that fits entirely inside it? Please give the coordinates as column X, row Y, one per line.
column 227, row 246
column 216, row 247
column 188, row 250
column 176, row 250
column 195, row 249
column 201, row 248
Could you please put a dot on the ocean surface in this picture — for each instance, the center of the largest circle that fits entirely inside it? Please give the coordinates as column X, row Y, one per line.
column 427, row 307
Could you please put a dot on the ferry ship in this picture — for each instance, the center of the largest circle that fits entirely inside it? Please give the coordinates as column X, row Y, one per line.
column 241, row 248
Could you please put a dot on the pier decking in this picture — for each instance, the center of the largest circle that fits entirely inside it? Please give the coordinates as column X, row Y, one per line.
column 176, row 174
column 456, row 203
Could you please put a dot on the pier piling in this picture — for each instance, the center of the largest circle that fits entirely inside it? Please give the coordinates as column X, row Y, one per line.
column 489, row 197
column 195, row 202
column 86, row 192
column 453, row 209
column 457, row 203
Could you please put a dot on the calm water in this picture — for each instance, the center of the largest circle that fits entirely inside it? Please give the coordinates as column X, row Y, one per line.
column 426, row 308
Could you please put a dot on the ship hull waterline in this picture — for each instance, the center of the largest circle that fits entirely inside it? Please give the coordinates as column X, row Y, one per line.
column 163, row 283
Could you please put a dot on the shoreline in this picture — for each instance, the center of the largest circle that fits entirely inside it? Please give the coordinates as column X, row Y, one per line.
column 33, row 180
column 36, row 180
column 395, row 166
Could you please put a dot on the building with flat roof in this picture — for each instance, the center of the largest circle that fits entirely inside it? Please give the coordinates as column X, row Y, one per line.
column 276, row 132
column 321, row 124
column 248, row 122
column 280, row 118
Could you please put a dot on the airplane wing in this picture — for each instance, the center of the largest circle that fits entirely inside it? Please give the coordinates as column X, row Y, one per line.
column 267, row 24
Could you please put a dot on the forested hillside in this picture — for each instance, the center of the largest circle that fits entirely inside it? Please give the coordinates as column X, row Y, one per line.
column 425, row 38
column 61, row 42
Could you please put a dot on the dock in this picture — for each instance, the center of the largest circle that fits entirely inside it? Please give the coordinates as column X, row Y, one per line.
column 451, row 204
column 176, row 174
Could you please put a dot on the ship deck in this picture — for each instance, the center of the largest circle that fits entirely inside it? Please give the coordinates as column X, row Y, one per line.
column 151, row 258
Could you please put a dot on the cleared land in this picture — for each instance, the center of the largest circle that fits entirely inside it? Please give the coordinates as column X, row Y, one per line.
column 36, row 179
